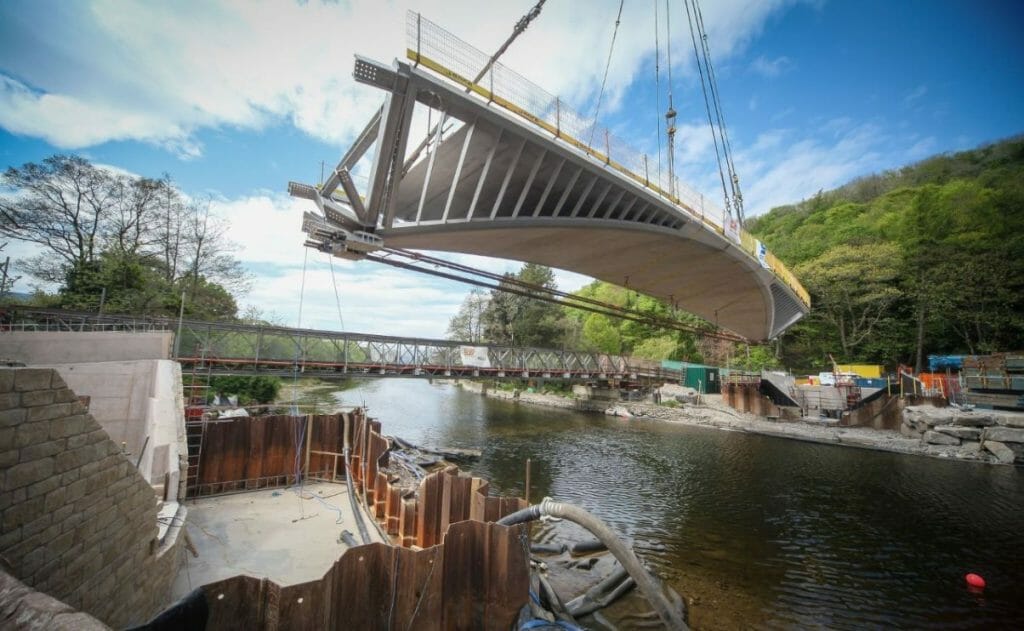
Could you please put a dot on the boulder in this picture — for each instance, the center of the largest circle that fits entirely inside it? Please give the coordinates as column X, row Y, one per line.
column 970, row 447
column 1011, row 420
column 910, row 431
column 973, row 419
column 963, row 433
column 1018, row 450
column 1003, row 454
column 938, row 438
column 1005, row 434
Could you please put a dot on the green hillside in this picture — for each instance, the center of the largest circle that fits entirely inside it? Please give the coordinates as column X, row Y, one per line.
column 925, row 259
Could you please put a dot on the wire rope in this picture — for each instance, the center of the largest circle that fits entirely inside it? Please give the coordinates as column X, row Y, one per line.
column 604, row 81
column 707, row 106
column 657, row 85
column 337, row 296
column 720, row 114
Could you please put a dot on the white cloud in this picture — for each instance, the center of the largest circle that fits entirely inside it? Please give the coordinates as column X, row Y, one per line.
column 770, row 68
column 922, row 148
column 783, row 166
column 68, row 122
column 914, row 95
column 158, row 72
column 373, row 299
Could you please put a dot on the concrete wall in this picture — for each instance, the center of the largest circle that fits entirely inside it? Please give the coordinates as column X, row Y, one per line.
column 133, row 401
column 79, row 522
column 72, row 347
column 816, row 399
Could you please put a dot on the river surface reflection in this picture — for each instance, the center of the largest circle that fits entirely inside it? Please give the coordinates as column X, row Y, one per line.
column 760, row 531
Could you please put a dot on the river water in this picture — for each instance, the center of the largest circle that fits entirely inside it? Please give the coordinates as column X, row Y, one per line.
column 757, row 531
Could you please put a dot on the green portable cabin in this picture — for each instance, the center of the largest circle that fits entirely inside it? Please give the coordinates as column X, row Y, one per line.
column 697, row 376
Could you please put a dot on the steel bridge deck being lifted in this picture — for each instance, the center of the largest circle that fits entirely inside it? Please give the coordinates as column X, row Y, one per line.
column 509, row 171
column 227, row 348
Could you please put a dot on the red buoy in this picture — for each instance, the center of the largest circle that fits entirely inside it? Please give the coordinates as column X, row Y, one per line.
column 975, row 580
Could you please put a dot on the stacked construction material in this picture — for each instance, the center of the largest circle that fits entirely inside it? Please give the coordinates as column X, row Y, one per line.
column 995, row 381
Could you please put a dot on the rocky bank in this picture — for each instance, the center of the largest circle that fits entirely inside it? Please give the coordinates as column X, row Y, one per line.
column 979, row 436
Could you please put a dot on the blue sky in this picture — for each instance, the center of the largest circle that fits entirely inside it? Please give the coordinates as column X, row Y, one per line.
column 234, row 99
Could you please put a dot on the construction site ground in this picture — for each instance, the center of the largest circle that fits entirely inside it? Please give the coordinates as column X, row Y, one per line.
column 289, row 535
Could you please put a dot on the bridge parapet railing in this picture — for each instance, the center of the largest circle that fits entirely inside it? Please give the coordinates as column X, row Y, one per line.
column 446, row 54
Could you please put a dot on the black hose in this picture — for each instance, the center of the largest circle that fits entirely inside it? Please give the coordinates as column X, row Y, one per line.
column 648, row 585
column 530, row 513
column 363, row 532
column 586, row 547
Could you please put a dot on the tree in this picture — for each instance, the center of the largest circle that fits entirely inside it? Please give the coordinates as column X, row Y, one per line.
column 600, row 334
column 7, row 279
column 957, row 222
column 467, row 325
column 61, row 205
column 852, row 288
column 517, row 320
column 631, row 337
column 136, row 240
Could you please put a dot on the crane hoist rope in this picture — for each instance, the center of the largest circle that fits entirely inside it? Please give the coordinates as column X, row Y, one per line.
column 713, row 106
column 657, row 84
column 604, row 81
column 517, row 30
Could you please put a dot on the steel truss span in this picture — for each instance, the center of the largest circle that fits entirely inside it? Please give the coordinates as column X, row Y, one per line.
column 244, row 349
column 505, row 172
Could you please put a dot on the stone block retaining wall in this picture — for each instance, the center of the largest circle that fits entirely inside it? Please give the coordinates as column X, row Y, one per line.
column 78, row 520
column 994, row 436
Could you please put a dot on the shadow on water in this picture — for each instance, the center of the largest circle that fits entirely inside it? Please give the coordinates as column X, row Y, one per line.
column 763, row 531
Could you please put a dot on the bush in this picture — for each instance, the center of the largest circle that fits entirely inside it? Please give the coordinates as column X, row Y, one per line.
column 248, row 389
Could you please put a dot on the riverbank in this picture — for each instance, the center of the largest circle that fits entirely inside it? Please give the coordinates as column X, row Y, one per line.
column 712, row 412
column 311, row 394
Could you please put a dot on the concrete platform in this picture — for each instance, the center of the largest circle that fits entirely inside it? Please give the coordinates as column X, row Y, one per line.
column 271, row 533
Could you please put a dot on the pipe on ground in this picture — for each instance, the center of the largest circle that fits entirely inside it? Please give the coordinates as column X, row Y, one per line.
column 647, row 584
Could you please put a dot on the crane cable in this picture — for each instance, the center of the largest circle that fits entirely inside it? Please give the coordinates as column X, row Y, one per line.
column 737, row 196
column 707, row 107
column 670, row 114
column 657, row 86
column 337, row 296
column 517, row 30
column 719, row 134
column 418, row 262
column 604, row 81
